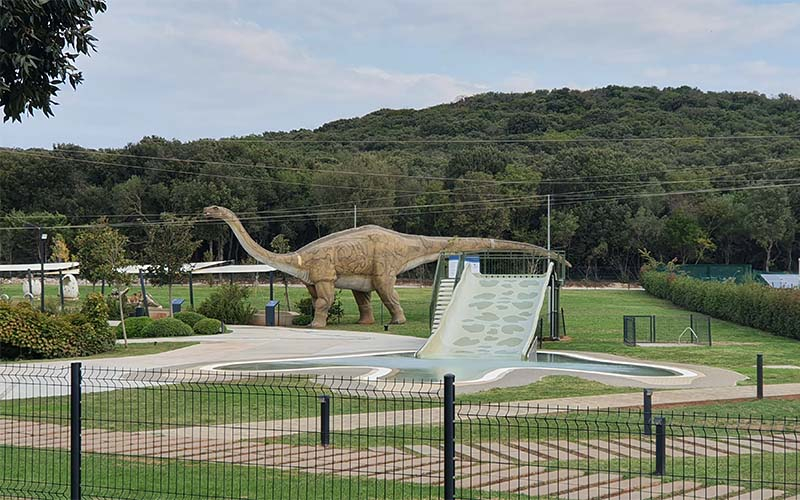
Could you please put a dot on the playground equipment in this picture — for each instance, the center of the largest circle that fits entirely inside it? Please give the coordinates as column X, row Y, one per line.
column 491, row 315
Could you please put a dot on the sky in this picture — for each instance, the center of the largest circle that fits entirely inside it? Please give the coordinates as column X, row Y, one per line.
column 189, row 69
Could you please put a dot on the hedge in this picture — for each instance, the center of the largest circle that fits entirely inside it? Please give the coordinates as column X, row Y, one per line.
column 27, row 332
column 775, row 310
column 134, row 327
column 188, row 317
column 229, row 304
column 208, row 326
column 167, row 327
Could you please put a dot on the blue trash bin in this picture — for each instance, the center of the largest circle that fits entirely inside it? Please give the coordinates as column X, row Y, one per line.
column 176, row 305
column 272, row 311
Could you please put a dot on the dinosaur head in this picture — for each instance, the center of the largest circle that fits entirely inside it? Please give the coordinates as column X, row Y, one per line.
column 215, row 212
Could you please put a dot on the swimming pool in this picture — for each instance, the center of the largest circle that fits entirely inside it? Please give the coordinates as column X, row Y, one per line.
column 403, row 365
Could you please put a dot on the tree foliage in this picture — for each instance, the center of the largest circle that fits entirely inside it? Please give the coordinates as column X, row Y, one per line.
column 41, row 41
column 459, row 170
column 101, row 250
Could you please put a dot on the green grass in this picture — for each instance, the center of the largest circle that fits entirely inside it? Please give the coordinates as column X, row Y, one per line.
column 548, row 387
column 26, row 473
column 594, row 323
column 198, row 404
column 120, row 351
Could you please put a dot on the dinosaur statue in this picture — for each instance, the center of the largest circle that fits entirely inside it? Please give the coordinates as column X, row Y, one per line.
column 362, row 259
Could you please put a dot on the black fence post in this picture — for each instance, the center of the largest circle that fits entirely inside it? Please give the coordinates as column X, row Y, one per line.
column 661, row 446
column 760, row 376
column 648, row 411
column 449, row 437
column 653, row 328
column 324, row 420
column 75, row 431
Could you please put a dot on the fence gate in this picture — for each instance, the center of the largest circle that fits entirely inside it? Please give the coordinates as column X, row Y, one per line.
column 638, row 328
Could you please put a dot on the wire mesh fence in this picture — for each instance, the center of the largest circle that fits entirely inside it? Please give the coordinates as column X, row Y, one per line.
column 118, row 433
column 691, row 329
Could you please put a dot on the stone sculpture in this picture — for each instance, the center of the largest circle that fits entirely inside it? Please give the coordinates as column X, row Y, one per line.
column 71, row 291
column 362, row 259
column 32, row 288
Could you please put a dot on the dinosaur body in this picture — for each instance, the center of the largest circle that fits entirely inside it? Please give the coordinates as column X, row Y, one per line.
column 362, row 259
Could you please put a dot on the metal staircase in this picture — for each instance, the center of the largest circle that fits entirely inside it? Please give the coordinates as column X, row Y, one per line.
column 443, row 298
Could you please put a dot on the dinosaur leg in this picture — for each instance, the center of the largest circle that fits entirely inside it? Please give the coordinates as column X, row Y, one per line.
column 323, row 302
column 364, row 301
column 389, row 297
column 312, row 291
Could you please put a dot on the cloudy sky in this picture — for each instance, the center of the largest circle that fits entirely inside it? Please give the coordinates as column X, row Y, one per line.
column 188, row 69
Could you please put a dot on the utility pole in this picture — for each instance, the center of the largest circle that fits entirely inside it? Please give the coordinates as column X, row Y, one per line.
column 548, row 222
column 42, row 249
column 355, row 215
column 40, row 240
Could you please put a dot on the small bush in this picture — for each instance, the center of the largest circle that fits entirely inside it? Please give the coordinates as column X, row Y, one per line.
column 189, row 317
column 302, row 320
column 113, row 308
column 306, row 308
column 208, row 326
column 229, row 304
column 167, row 327
column 134, row 327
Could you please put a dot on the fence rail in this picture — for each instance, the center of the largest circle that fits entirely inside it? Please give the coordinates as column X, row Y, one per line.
column 117, row 433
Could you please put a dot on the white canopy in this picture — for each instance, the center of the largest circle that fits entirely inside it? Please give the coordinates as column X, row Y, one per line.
column 192, row 266
column 48, row 267
column 781, row 280
column 236, row 269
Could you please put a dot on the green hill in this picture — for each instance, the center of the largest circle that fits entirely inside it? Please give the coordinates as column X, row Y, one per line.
column 681, row 173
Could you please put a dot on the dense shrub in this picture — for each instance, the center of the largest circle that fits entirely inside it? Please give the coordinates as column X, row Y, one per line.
column 306, row 309
column 27, row 332
column 772, row 309
column 134, row 327
column 229, row 304
column 189, row 317
column 113, row 308
column 208, row 326
column 167, row 327
column 302, row 320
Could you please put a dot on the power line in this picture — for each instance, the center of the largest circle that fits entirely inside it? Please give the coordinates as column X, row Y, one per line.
column 507, row 140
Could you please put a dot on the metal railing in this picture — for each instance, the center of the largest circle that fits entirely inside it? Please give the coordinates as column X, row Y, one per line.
column 80, row 432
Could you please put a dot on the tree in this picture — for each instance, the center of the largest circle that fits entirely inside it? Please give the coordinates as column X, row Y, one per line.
column 101, row 250
column 767, row 219
column 41, row 40
column 169, row 247
column 59, row 251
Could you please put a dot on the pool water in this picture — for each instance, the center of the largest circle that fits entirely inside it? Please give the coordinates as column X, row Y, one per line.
column 406, row 366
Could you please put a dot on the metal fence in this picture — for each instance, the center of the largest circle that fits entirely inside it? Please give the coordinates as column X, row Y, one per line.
column 115, row 433
column 651, row 329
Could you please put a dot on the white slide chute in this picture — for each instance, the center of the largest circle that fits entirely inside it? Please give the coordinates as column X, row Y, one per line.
column 489, row 316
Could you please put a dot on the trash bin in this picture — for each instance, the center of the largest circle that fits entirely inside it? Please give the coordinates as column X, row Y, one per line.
column 176, row 305
column 138, row 312
column 272, row 311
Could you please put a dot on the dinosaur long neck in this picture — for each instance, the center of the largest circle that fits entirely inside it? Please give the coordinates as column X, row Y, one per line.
column 287, row 262
column 432, row 246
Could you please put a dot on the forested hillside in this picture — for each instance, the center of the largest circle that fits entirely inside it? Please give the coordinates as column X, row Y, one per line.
column 680, row 173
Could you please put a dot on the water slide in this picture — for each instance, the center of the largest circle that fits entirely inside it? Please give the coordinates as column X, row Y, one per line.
column 489, row 316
